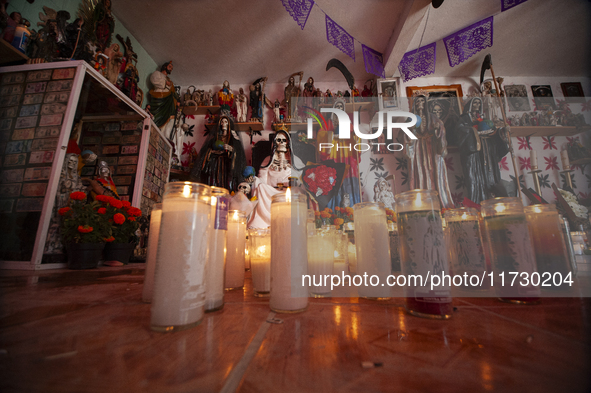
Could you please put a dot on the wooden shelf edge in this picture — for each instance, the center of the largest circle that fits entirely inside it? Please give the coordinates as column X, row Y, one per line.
column 255, row 126
column 10, row 55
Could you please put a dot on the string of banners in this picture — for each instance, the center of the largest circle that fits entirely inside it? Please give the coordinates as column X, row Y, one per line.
column 460, row 45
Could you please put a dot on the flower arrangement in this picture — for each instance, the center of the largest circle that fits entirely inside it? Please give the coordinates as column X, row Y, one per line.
column 339, row 217
column 82, row 222
column 321, row 179
column 122, row 217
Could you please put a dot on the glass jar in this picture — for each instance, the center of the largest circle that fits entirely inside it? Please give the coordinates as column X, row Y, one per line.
column 549, row 246
column 216, row 260
column 464, row 244
column 423, row 253
column 155, row 217
column 320, row 260
column 235, row 246
column 341, row 254
column 394, row 252
column 179, row 285
column 511, row 249
column 372, row 246
column 289, row 257
column 260, row 261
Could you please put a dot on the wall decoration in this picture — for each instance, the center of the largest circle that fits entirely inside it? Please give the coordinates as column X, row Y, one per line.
column 573, row 92
column 451, row 95
column 388, row 94
column 462, row 45
column 374, row 61
column 339, row 37
column 419, row 62
column 543, row 97
column 517, row 98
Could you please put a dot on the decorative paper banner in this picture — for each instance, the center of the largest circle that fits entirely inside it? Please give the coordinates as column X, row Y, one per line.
column 337, row 36
column 508, row 4
column 465, row 43
column 299, row 10
column 419, row 62
column 374, row 61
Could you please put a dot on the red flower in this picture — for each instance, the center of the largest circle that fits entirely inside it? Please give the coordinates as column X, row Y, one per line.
column 101, row 210
column 64, row 210
column 337, row 208
column 78, row 196
column 321, row 179
column 116, row 203
column 109, row 239
column 134, row 211
column 131, row 218
column 119, row 218
column 126, row 203
column 85, row 229
column 103, row 198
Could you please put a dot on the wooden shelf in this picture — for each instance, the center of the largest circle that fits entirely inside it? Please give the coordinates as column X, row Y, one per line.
column 582, row 161
column 200, row 110
column 180, row 175
column 547, row 131
column 254, row 125
column 9, row 55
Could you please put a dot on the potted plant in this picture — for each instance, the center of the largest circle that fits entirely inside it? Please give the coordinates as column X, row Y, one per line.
column 124, row 225
column 84, row 231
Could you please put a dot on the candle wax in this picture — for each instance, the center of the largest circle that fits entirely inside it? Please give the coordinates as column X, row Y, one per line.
column 148, row 290
column 236, row 242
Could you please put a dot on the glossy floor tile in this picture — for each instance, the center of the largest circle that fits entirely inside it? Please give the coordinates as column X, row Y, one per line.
column 88, row 331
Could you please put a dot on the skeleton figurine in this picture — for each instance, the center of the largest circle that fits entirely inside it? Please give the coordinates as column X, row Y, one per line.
column 244, row 188
column 346, row 200
column 241, row 201
column 383, row 193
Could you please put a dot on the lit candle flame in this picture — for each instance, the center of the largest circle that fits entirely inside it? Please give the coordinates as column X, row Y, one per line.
column 187, row 191
column 214, row 201
column 288, row 195
column 464, row 216
column 537, row 209
column 418, row 202
column 235, row 215
column 261, row 250
column 500, row 208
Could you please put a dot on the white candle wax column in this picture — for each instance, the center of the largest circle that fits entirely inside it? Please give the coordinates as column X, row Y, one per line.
column 320, row 261
column 155, row 216
column 372, row 243
column 565, row 161
column 235, row 243
column 260, row 261
column 216, row 261
column 179, row 287
column 341, row 254
column 533, row 158
column 289, row 259
column 466, row 252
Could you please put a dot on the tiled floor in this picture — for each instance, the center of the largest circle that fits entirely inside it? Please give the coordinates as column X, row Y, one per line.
column 88, row 331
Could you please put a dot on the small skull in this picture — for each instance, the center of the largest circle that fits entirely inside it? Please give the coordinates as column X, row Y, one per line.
column 244, row 188
column 281, row 141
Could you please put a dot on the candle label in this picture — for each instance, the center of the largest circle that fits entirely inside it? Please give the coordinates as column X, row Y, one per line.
column 221, row 213
column 422, row 250
column 465, row 247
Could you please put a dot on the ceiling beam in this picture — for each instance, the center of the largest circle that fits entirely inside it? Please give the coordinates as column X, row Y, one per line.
column 403, row 33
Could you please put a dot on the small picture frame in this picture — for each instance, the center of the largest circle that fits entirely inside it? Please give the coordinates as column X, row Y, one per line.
column 573, row 92
column 543, row 97
column 388, row 93
column 517, row 98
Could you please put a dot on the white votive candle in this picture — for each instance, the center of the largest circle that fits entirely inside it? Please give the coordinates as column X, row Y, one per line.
column 533, row 158
column 289, row 259
column 216, row 259
column 260, row 261
column 235, row 243
column 320, row 261
column 155, row 216
column 179, row 285
column 565, row 161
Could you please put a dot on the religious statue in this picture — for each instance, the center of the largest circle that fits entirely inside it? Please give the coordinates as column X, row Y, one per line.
column 258, row 99
column 481, row 148
column 291, row 96
column 114, row 63
column 275, row 170
column 221, row 159
column 241, row 106
column 225, row 98
column 443, row 109
column 356, row 94
column 427, row 153
column 103, row 184
column 69, row 182
column 277, row 111
column 163, row 97
column 383, row 193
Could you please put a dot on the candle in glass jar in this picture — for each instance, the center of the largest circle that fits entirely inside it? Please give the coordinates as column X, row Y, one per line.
column 235, row 243
column 179, row 285
column 466, row 252
column 216, row 261
column 533, row 159
column 422, row 251
column 260, row 261
column 320, row 260
column 372, row 243
column 289, row 257
column 549, row 246
column 511, row 248
column 341, row 254
column 155, row 216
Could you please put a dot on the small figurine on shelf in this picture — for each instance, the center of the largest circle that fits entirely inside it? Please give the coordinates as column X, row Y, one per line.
column 383, row 193
column 188, row 96
column 328, row 97
column 319, row 96
column 277, row 111
column 292, row 94
column 366, row 91
column 355, row 94
column 103, row 184
column 163, row 97
column 99, row 23
column 225, row 98
column 208, row 98
column 114, row 64
column 241, row 106
column 308, row 94
column 258, row 99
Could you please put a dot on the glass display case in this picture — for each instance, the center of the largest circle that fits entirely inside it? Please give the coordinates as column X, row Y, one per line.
column 52, row 116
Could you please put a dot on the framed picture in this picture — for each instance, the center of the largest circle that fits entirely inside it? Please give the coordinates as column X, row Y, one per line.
column 517, row 98
column 388, row 95
column 573, row 92
column 444, row 101
column 543, row 97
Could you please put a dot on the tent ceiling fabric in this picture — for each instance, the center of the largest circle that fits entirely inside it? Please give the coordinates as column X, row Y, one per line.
column 211, row 41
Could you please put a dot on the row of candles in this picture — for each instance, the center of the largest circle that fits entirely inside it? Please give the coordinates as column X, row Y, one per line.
column 197, row 249
column 566, row 169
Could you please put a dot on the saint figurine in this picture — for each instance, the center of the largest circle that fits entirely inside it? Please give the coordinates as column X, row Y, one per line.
column 241, row 106
column 383, row 193
column 225, row 98
column 426, row 154
column 163, row 97
column 221, row 160
column 292, row 94
column 103, row 184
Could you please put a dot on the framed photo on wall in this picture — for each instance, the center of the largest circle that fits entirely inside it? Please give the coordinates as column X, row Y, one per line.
column 517, row 98
column 444, row 101
column 388, row 95
column 543, row 97
column 573, row 92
